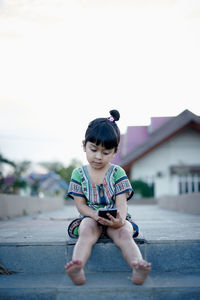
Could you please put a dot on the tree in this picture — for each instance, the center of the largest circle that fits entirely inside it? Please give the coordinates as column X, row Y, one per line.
column 4, row 160
column 17, row 173
column 54, row 166
column 20, row 169
column 64, row 172
column 142, row 188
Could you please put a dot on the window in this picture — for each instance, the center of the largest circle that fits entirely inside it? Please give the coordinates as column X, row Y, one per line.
column 189, row 184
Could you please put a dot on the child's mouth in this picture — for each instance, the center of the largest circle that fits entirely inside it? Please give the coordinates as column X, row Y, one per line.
column 97, row 163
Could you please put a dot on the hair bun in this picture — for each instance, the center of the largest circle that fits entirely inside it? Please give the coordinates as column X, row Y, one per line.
column 115, row 114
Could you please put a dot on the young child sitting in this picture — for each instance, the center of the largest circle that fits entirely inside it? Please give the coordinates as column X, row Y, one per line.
column 101, row 184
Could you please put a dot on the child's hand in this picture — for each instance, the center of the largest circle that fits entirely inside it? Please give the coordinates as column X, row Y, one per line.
column 112, row 222
column 96, row 216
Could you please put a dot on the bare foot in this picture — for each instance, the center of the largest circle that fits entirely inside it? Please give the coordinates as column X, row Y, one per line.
column 75, row 271
column 141, row 270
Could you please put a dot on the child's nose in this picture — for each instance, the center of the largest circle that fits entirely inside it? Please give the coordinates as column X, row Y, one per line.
column 98, row 155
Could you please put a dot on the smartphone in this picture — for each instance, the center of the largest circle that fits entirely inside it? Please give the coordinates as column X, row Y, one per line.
column 103, row 213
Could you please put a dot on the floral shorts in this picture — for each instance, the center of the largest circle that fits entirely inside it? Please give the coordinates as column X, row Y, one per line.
column 74, row 226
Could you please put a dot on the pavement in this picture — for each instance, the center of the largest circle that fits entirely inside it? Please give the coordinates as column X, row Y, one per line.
column 36, row 247
column 155, row 225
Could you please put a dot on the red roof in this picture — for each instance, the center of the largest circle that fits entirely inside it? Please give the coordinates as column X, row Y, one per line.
column 139, row 140
column 156, row 122
column 135, row 136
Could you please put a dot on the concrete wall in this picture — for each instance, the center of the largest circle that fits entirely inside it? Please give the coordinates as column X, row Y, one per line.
column 188, row 203
column 142, row 201
column 14, row 205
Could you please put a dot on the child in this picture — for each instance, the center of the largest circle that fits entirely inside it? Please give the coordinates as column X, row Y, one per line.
column 101, row 184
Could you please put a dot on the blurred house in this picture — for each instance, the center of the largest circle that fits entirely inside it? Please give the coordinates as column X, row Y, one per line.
column 49, row 184
column 35, row 184
column 165, row 154
column 7, row 184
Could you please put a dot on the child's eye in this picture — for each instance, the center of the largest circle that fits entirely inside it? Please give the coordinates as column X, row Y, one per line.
column 106, row 153
column 93, row 150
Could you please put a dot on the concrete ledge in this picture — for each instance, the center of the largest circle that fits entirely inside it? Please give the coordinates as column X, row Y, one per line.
column 103, row 285
column 142, row 201
column 106, row 257
column 188, row 203
column 14, row 205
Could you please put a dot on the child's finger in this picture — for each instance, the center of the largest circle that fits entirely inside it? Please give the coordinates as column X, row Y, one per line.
column 100, row 220
column 118, row 214
column 104, row 221
column 111, row 217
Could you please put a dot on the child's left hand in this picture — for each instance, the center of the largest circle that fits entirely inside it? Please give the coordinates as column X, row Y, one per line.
column 113, row 222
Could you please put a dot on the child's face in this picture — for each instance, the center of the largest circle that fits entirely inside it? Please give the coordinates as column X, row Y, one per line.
column 97, row 156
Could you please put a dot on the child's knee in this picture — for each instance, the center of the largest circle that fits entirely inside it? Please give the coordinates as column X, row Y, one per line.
column 89, row 230
column 123, row 233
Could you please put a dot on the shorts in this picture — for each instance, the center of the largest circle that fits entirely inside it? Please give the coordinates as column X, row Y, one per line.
column 74, row 226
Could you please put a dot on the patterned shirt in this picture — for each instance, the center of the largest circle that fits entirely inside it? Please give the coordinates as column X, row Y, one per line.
column 97, row 196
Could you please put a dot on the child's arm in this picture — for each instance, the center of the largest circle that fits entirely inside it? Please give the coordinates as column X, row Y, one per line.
column 84, row 209
column 121, row 205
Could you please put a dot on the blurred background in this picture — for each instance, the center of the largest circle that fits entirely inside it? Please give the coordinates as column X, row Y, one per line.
column 66, row 62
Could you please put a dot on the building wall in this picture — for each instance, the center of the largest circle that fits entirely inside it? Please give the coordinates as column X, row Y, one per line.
column 183, row 149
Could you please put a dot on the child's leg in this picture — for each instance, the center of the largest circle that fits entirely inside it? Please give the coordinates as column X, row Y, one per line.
column 89, row 233
column 123, row 238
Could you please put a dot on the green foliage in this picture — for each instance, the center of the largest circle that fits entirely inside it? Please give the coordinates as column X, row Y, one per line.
column 21, row 167
column 64, row 172
column 19, row 183
column 17, row 172
column 142, row 188
column 35, row 187
column 53, row 166
column 6, row 161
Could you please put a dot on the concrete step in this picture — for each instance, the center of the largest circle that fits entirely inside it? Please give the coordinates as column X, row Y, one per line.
column 101, row 285
column 164, row 256
column 44, row 258
column 39, row 244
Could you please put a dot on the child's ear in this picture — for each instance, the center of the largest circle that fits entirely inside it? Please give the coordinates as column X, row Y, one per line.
column 83, row 142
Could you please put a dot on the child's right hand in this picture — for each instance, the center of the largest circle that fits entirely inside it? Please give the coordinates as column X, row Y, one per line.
column 96, row 216
column 113, row 222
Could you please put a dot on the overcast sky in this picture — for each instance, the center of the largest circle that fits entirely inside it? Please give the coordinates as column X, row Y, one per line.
column 66, row 62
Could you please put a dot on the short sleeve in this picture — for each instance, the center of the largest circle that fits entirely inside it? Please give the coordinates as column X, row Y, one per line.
column 122, row 183
column 75, row 187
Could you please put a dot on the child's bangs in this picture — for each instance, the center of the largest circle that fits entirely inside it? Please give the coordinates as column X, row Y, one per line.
column 103, row 137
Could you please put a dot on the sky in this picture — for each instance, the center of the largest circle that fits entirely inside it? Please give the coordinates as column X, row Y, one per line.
column 64, row 63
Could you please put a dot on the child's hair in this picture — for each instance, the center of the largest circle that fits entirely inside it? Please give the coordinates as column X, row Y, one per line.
column 104, row 131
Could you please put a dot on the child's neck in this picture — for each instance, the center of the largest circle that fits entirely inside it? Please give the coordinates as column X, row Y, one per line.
column 98, row 175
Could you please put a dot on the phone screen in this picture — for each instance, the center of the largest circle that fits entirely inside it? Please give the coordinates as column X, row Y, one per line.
column 103, row 213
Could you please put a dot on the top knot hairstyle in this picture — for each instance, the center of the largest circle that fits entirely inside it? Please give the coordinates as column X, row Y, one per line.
column 115, row 114
column 104, row 131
